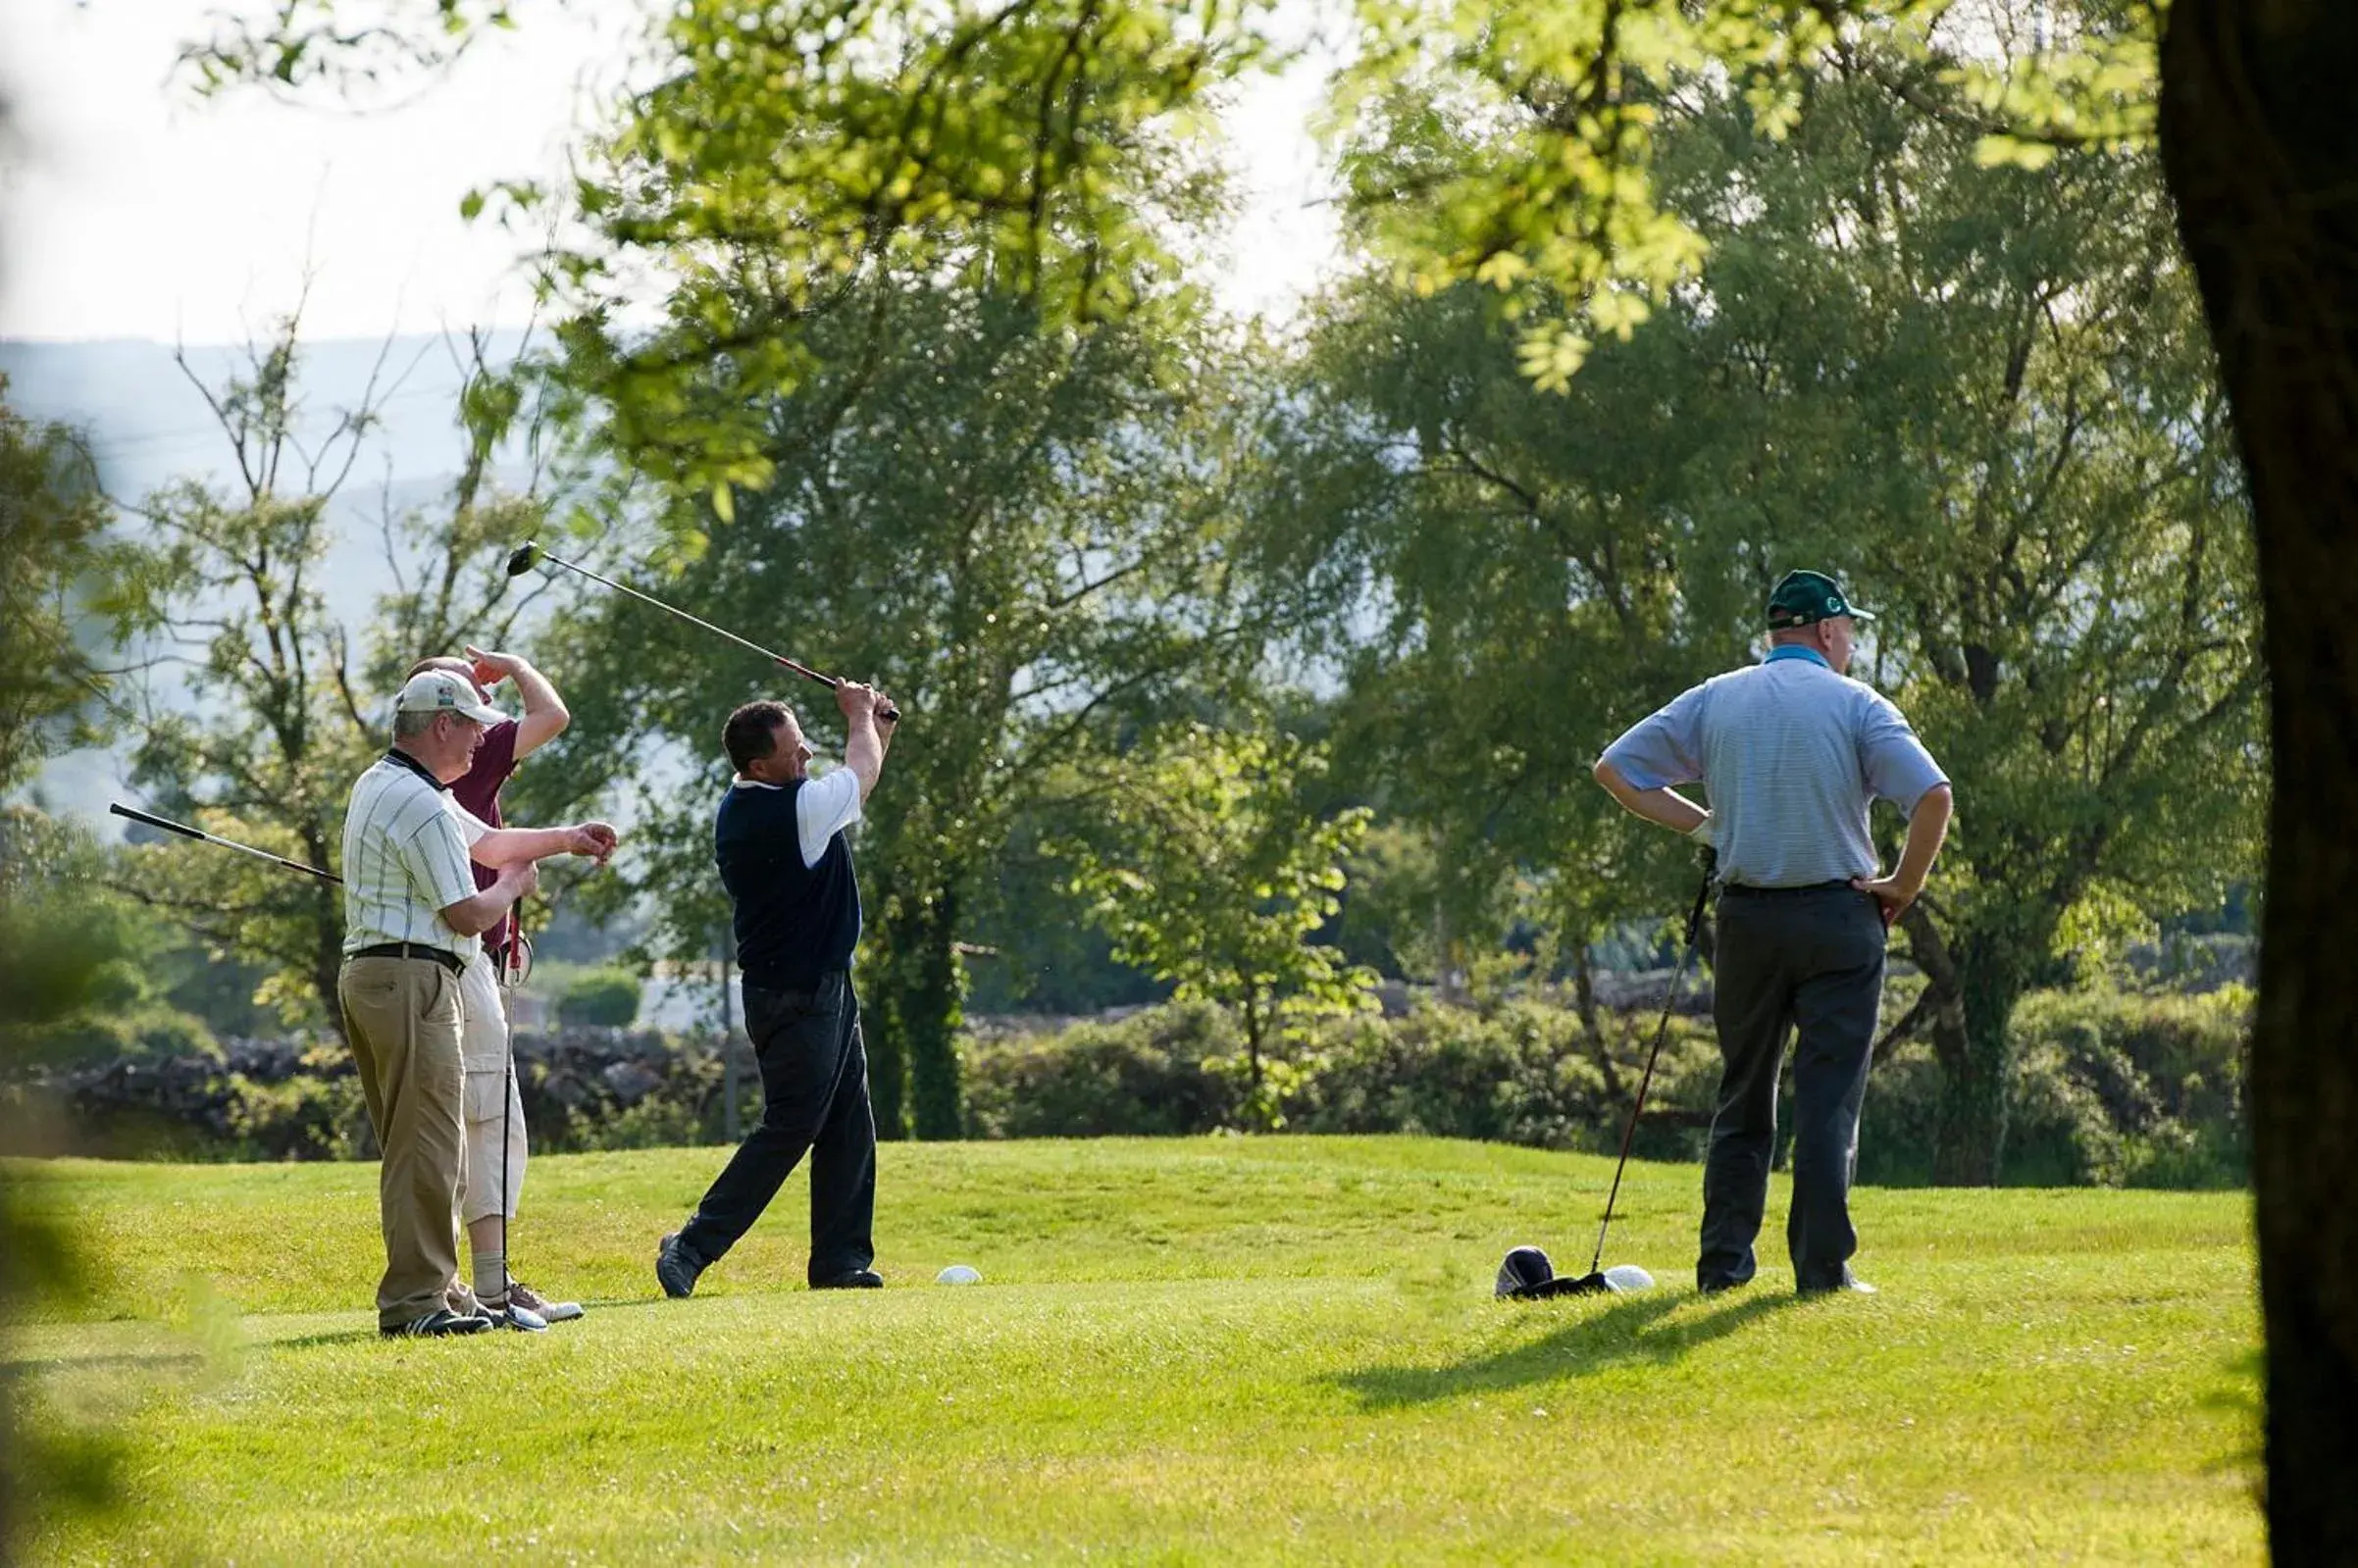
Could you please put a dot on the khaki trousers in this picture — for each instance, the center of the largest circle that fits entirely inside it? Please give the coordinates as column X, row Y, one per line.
column 403, row 1017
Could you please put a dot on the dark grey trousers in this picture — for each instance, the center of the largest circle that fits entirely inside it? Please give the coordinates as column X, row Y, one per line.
column 814, row 1086
column 1805, row 959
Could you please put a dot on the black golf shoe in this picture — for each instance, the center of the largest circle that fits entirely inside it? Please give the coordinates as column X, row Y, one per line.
column 856, row 1280
column 677, row 1267
column 1849, row 1284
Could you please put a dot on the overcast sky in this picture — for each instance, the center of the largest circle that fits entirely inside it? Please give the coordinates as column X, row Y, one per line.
column 133, row 212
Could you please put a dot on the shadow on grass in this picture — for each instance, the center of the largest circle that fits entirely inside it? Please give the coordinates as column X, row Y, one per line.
column 1631, row 1331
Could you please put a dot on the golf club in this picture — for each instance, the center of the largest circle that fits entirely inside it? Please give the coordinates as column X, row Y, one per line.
column 528, row 554
column 186, row 832
column 1529, row 1279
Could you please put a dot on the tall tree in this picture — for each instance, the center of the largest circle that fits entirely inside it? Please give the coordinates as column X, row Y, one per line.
column 1019, row 530
column 275, row 707
column 1986, row 388
column 1988, row 392
column 2262, row 167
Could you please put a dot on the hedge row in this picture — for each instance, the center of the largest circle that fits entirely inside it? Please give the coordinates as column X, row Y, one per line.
column 2110, row 1088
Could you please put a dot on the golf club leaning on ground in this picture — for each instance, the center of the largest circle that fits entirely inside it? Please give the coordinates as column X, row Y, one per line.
column 530, row 554
column 1526, row 1275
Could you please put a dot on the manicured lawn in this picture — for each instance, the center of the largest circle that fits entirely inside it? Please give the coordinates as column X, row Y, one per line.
column 1215, row 1351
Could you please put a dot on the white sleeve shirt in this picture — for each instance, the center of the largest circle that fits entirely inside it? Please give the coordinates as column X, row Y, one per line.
column 825, row 807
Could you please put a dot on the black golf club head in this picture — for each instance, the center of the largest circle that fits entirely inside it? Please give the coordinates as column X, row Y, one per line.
column 1524, row 1269
column 527, row 556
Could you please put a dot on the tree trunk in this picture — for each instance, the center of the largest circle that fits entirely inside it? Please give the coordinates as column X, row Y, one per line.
column 327, row 964
column 920, row 994
column 1977, row 1065
column 880, row 1025
column 1974, row 987
column 2262, row 154
column 933, row 1006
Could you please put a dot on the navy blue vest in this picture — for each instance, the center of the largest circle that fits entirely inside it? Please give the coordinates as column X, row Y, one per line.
column 793, row 922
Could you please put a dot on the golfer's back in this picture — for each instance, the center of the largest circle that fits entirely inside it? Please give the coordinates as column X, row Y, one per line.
column 1792, row 755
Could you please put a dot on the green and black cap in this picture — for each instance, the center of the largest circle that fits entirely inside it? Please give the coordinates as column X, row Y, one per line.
column 1800, row 598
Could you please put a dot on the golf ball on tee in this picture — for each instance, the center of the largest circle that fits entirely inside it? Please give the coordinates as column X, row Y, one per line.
column 957, row 1274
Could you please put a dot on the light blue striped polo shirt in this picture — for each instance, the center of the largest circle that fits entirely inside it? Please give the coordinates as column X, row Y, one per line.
column 1792, row 755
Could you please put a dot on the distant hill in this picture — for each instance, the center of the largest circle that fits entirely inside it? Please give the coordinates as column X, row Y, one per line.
column 149, row 425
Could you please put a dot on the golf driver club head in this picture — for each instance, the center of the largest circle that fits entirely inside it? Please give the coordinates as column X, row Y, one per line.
column 525, row 557
column 1527, row 1275
column 1524, row 1268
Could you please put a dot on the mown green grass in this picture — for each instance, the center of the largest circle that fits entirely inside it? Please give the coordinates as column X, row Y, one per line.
column 1215, row 1351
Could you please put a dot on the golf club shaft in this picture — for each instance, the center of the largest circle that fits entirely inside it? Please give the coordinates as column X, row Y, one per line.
column 1628, row 1133
column 198, row 834
column 803, row 670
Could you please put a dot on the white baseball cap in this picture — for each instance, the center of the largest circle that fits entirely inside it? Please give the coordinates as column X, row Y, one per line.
column 445, row 691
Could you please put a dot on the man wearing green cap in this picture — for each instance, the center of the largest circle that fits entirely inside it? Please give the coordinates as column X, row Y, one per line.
column 1791, row 752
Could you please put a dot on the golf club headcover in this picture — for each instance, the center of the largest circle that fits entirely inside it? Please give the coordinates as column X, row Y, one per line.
column 1526, row 1270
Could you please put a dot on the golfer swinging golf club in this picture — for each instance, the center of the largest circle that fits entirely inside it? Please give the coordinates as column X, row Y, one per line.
column 779, row 842
column 1792, row 753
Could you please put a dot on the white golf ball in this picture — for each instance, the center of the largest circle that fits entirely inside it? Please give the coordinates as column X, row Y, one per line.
column 957, row 1274
column 1629, row 1277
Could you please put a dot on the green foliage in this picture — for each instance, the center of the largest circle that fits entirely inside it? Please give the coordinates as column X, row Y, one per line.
column 1021, row 531
column 280, row 706
column 291, row 44
column 1519, row 1072
column 792, row 157
column 1032, row 149
column 1221, row 879
column 2107, row 1088
column 607, row 996
column 63, row 585
column 1142, row 1076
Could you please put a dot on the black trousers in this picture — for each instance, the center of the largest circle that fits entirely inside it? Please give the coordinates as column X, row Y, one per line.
column 1793, row 960
column 814, row 1087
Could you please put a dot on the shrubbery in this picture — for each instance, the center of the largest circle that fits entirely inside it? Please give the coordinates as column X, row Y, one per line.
column 602, row 998
column 2111, row 1088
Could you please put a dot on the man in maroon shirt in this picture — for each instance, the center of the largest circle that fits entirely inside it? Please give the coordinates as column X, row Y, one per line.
column 495, row 1140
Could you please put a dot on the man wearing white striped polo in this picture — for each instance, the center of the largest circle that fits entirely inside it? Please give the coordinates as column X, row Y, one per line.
column 1793, row 753
column 413, row 918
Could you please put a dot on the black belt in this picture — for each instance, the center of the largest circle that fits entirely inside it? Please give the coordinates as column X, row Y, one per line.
column 1740, row 890
column 793, row 995
column 440, row 955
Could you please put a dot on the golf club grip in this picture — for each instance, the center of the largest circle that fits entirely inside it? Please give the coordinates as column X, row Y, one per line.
column 169, row 826
column 890, row 712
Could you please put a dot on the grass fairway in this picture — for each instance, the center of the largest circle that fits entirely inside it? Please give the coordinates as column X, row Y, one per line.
column 1217, row 1351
